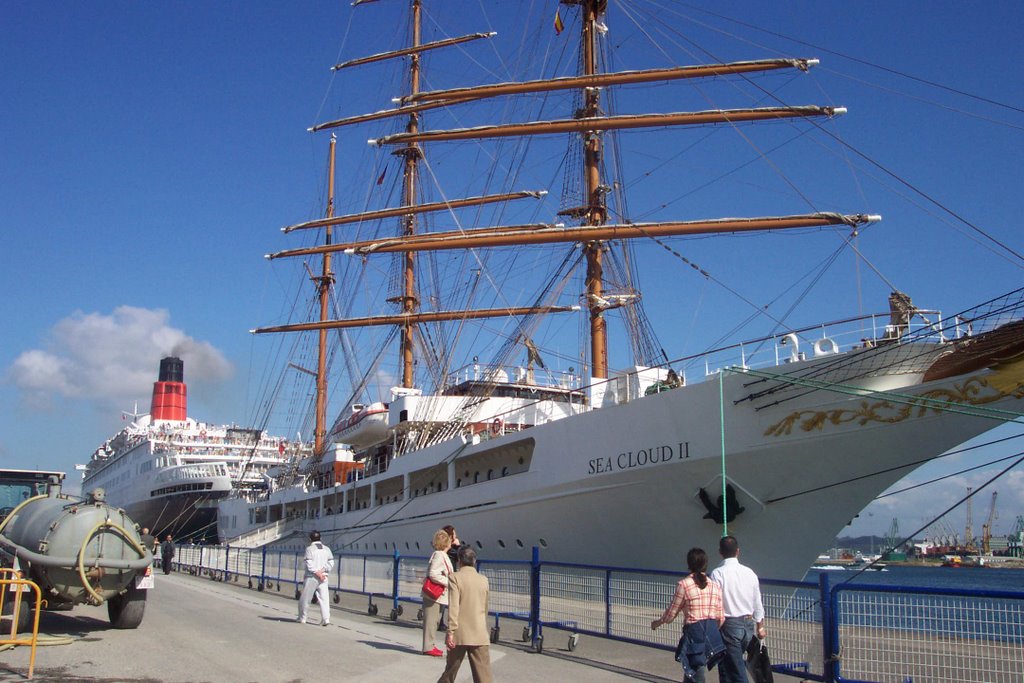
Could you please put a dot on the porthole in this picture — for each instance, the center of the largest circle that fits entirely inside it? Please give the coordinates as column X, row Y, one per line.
column 479, row 545
column 418, row 545
column 520, row 461
column 519, row 543
column 543, row 543
column 501, row 543
column 466, row 474
column 407, row 545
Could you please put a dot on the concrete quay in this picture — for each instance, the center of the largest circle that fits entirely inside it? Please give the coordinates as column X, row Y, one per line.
column 198, row 630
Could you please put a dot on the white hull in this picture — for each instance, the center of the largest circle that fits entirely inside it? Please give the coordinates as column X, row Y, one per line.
column 169, row 499
column 619, row 486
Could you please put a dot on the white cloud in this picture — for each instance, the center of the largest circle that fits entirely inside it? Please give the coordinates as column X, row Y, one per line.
column 111, row 358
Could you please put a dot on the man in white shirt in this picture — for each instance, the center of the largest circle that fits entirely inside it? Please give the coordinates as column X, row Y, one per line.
column 741, row 603
column 319, row 563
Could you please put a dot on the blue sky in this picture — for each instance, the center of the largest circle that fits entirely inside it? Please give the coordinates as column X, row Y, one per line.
column 149, row 152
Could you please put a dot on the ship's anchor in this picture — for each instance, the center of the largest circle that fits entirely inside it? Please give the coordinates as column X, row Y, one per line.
column 732, row 505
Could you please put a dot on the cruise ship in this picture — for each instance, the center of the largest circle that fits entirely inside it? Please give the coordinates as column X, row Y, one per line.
column 167, row 470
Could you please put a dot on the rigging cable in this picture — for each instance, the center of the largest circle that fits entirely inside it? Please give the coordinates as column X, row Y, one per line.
column 883, row 168
column 971, row 494
column 895, row 72
column 912, row 464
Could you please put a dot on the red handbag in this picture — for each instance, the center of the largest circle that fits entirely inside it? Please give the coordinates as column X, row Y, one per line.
column 432, row 588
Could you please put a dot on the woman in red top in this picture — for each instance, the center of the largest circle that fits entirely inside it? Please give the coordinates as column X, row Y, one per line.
column 700, row 600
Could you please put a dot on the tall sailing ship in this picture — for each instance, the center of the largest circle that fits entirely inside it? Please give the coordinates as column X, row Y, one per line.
column 168, row 470
column 493, row 422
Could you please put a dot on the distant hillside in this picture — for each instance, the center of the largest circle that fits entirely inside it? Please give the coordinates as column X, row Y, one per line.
column 862, row 544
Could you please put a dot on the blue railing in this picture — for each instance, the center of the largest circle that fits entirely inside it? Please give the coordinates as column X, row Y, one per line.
column 842, row 633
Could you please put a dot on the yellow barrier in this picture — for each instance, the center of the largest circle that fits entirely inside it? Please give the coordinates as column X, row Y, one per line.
column 11, row 581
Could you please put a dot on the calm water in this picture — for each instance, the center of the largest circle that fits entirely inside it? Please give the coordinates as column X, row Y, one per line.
column 930, row 577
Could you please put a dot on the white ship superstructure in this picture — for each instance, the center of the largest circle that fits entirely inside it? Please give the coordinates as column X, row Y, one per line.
column 168, row 470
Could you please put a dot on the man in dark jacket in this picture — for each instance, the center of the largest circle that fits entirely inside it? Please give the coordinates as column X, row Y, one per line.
column 167, row 553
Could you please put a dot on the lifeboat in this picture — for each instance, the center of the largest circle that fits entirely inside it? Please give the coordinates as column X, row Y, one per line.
column 365, row 426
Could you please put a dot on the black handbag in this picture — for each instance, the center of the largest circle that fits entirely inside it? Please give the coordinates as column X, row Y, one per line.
column 758, row 665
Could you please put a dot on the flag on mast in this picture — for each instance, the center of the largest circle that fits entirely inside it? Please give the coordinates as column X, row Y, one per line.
column 559, row 26
column 380, row 180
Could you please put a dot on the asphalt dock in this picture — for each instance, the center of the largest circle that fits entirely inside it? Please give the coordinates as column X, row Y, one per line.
column 199, row 630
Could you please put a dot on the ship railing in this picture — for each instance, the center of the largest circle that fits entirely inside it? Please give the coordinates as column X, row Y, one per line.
column 108, row 459
column 788, row 345
column 193, row 471
column 514, row 374
column 797, row 344
column 817, row 631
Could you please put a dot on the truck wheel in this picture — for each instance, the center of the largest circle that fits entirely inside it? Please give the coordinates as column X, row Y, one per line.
column 25, row 616
column 24, row 613
column 126, row 610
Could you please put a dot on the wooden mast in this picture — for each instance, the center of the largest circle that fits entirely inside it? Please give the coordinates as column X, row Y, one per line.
column 324, row 284
column 593, row 230
column 595, row 207
column 447, row 98
column 585, row 126
column 602, row 80
column 521, row 235
column 415, row 50
column 412, row 156
column 416, row 208
column 422, row 317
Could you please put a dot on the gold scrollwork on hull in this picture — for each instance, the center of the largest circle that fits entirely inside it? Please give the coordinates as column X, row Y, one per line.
column 974, row 392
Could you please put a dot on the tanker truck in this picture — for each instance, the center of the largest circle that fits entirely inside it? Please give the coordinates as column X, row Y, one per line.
column 78, row 550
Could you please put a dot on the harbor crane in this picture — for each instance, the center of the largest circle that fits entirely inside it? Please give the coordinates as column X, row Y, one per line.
column 986, row 528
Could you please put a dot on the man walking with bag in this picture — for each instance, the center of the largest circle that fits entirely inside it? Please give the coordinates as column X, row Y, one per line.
column 468, row 592
column 319, row 563
column 744, row 612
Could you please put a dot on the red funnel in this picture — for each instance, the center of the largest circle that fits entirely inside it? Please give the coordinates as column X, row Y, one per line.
column 170, row 395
